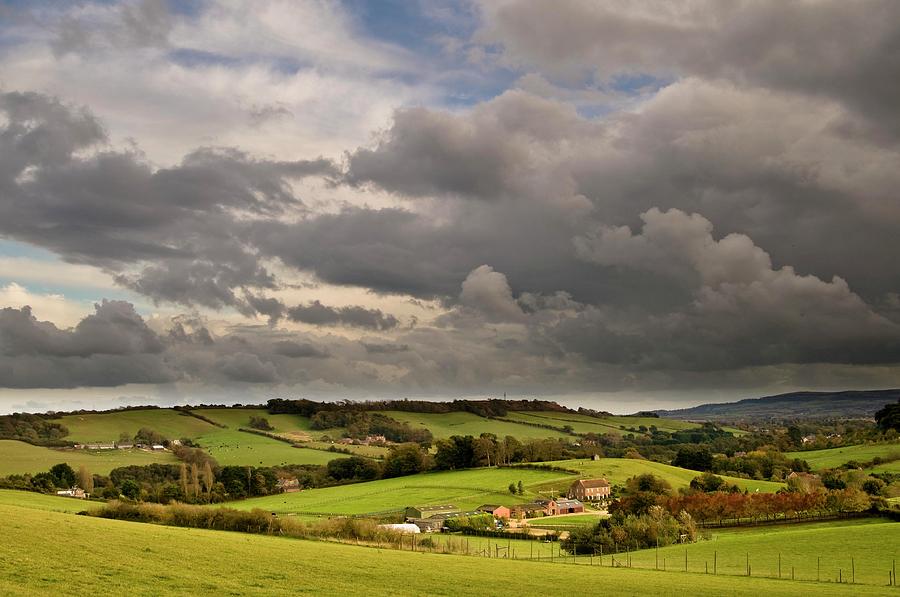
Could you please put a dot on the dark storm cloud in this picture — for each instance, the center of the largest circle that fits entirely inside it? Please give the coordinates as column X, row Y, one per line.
column 180, row 227
column 111, row 347
column 316, row 313
column 297, row 350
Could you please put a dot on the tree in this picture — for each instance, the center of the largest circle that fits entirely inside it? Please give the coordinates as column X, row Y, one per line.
column 354, row 467
column 183, row 479
column 195, row 480
column 260, row 423
column 209, row 478
column 697, row 458
column 85, row 479
column 889, row 417
column 647, row 483
column 405, row 459
column 131, row 490
column 63, row 475
column 521, row 488
column 512, row 488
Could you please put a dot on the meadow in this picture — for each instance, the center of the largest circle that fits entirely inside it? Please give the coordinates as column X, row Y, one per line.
column 834, row 457
column 107, row 427
column 19, row 458
column 49, row 503
column 619, row 470
column 236, row 418
column 444, row 425
column 233, row 447
column 139, row 559
column 617, row 425
column 466, row 489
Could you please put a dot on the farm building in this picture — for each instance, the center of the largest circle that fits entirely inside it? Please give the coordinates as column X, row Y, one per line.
column 429, row 511
column 75, row 492
column 568, row 507
column 288, row 485
column 589, row 489
column 497, row 511
column 406, row 528
column 531, row 510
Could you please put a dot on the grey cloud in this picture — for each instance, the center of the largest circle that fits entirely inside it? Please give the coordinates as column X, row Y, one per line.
column 137, row 24
column 248, row 368
column 316, row 313
column 845, row 51
column 297, row 350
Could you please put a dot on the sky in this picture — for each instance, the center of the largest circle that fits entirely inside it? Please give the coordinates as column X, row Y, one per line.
column 621, row 204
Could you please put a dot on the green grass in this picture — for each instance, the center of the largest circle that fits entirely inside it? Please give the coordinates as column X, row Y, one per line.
column 617, row 425
column 18, row 458
column 240, row 417
column 233, row 447
column 46, row 553
column 444, row 425
column 619, row 470
column 466, row 489
column 871, row 543
column 368, row 451
column 106, row 427
column 49, row 503
column 834, row 457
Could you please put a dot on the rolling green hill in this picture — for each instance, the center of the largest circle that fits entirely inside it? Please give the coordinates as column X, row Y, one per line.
column 462, row 423
column 618, row 470
column 106, row 427
column 233, row 447
column 18, row 458
column 834, row 457
column 465, row 489
column 139, row 559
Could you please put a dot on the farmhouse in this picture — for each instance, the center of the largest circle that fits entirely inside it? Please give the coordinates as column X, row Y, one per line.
column 496, row 511
column 589, row 489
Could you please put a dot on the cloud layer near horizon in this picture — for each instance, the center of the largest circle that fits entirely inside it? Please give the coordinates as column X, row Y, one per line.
column 699, row 198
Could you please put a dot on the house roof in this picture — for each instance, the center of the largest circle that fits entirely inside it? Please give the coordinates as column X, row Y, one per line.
column 592, row 483
column 489, row 507
column 435, row 508
column 568, row 503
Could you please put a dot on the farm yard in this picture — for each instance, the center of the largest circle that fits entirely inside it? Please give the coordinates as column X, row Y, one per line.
column 835, row 457
column 19, row 458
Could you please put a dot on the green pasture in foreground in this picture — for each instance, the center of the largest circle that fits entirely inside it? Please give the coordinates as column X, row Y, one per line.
column 140, row 559
column 40, row 501
column 461, row 423
column 619, row 470
column 870, row 545
column 834, row 457
column 18, row 458
column 233, row 447
column 466, row 489
column 106, row 427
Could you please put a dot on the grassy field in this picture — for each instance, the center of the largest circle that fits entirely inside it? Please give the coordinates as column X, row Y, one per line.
column 49, row 503
column 466, row 489
column 461, row 423
column 368, row 451
column 872, row 544
column 617, row 425
column 233, row 447
column 137, row 559
column 834, row 457
column 106, row 427
column 236, row 418
column 618, row 470
column 18, row 458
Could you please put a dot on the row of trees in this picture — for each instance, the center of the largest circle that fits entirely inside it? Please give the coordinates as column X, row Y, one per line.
column 33, row 429
column 655, row 526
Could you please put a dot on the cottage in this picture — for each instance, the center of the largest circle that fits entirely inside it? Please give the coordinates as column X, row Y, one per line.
column 496, row 511
column 430, row 511
column 75, row 492
column 158, row 447
column 589, row 489
column 288, row 485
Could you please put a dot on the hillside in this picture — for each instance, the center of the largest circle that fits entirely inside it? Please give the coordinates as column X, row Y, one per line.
column 795, row 405
column 156, row 560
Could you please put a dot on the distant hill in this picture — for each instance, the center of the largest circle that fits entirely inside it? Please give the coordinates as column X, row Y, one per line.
column 795, row 405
